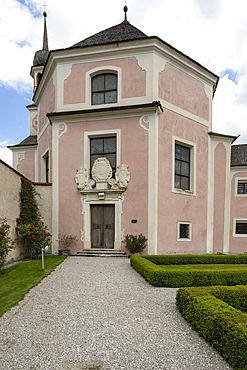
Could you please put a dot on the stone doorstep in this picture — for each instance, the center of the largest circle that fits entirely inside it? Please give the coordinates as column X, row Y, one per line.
column 100, row 253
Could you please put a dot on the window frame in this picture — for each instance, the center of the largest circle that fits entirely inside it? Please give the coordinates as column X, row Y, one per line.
column 100, row 155
column 178, row 231
column 104, row 91
column 98, row 134
column 44, row 156
column 235, row 221
column 237, row 181
column 192, row 177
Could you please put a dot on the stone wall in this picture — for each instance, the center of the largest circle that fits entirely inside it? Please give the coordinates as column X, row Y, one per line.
column 10, row 186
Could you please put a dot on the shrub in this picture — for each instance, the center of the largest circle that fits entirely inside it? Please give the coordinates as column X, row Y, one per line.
column 67, row 240
column 222, row 326
column 34, row 236
column 29, row 211
column 186, row 259
column 6, row 244
column 135, row 243
column 175, row 278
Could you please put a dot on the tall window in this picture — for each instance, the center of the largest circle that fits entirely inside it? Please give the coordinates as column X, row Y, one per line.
column 47, row 169
column 103, row 147
column 182, row 167
column 104, row 89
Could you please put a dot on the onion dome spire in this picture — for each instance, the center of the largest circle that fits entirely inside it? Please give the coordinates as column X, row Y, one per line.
column 45, row 37
column 41, row 56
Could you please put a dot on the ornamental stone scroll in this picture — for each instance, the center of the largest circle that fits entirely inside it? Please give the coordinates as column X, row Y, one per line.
column 81, row 178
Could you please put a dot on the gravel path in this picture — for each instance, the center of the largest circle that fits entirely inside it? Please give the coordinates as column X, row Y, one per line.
column 97, row 314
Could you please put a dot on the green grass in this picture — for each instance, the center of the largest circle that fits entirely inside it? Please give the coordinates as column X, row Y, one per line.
column 204, row 266
column 17, row 280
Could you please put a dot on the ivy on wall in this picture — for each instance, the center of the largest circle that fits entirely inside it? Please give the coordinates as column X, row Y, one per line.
column 29, row 211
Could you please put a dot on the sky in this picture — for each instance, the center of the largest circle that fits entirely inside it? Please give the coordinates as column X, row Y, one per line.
column 212, row 32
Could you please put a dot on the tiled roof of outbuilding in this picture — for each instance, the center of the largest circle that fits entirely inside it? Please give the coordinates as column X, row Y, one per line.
column 30, row 140
column 121, row 32
column 239, row 155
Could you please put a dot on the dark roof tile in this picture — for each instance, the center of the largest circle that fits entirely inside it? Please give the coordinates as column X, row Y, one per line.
column 239, row 155
column 30, row 140
column 121, row 32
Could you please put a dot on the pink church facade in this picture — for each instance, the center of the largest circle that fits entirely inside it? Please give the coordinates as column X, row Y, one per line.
column 122, row 128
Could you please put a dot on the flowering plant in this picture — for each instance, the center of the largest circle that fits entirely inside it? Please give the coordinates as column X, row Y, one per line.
column 6, row 244
column 34, row 236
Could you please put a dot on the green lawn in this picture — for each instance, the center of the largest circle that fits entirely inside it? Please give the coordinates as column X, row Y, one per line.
column 17, row 280
column 204, row 266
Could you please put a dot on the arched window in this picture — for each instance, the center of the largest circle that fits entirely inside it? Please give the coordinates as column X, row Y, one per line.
column 104, row 89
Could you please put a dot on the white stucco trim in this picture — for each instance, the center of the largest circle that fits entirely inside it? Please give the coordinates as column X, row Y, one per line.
column 192, row 146
column 86, row 211
column 210, row 202
column 99, row 70
column 227, row 198
column 178, row 231
column 43, row 129
column 235, row 221
column 153, row 183
column 43, row 169
column 103, row 133
column 55, row 187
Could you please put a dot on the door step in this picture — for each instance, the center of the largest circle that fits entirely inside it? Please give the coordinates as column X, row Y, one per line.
column 101, row 253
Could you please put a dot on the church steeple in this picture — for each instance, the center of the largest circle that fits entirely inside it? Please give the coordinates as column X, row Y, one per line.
column 45, row 37
column 41, row 56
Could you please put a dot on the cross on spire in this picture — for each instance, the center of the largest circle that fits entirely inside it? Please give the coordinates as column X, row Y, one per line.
column 44, row 5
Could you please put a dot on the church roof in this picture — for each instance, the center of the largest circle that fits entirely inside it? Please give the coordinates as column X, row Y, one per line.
column 239, row 155
column 121, row 32
column 41, row 56
column 30, row 140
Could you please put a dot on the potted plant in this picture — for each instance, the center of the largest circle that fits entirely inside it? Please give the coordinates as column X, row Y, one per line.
column 135, row 243
column 66, row 241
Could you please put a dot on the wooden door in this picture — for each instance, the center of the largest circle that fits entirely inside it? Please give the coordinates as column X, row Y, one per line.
column 102, row 226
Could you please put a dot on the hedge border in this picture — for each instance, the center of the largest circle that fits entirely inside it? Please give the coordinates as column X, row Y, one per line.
column 171, row 278
column 219, row 323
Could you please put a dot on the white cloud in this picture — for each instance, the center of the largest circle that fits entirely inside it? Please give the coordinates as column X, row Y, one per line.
column 212, row 32
column 6, row 154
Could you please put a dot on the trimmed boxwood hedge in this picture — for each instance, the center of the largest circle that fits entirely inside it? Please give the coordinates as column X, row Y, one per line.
column 148, row 267
column 220, row 324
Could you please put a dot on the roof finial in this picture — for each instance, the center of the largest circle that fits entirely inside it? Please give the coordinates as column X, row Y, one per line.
column 45, row 37
column 125, row 11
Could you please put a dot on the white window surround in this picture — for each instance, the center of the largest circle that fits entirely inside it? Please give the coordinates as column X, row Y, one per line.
column 235, row 221
column 43, row 167
column 94, row 134
column 178, row 231
column 192, row 146
column 100, row 70
column 87, row 221
column 237, row 180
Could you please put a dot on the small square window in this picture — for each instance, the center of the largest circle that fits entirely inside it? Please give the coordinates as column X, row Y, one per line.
column 241, row 228
column 184, row 231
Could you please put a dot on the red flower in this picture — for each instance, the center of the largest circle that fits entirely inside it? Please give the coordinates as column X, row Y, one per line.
column 17, row 229
column 42, row 223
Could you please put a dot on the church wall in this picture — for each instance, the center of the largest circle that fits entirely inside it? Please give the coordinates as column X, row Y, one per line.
column 183, row 91
column 175, row 206
column 45, row 144
column 47, row 105
column 26, row 164
column 238, row 244
column 219, row 197
column 133, row 80
column 134, row 153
